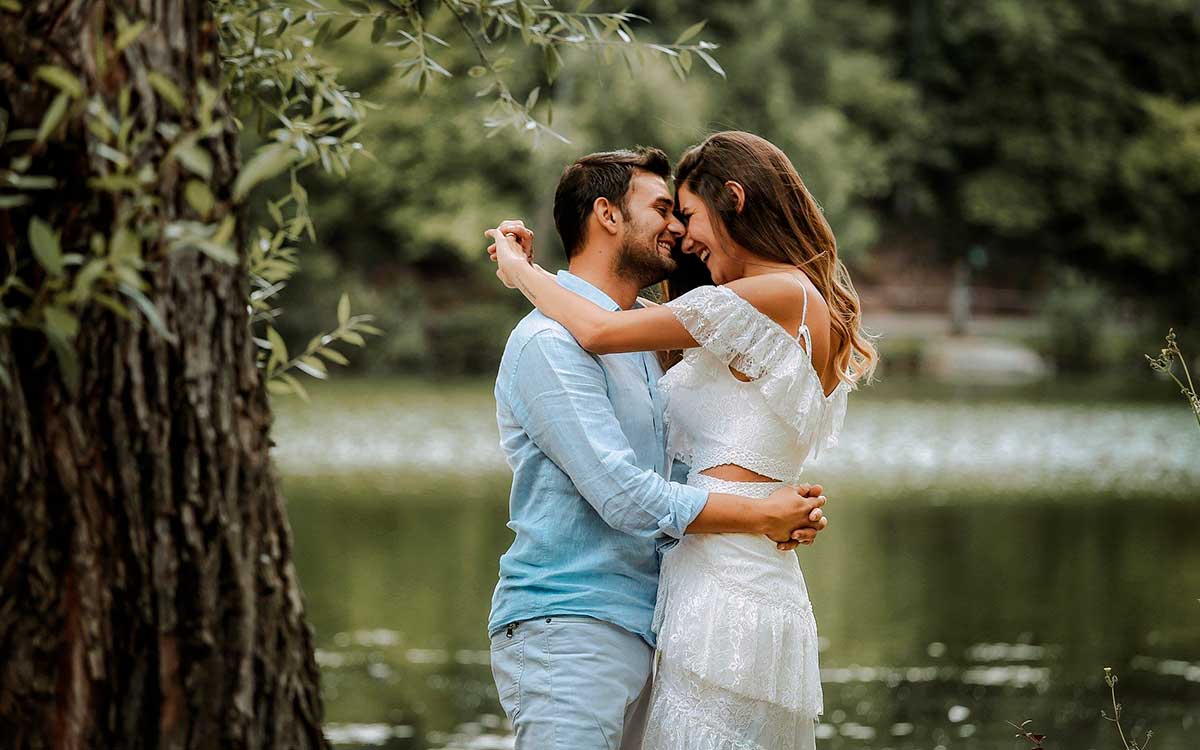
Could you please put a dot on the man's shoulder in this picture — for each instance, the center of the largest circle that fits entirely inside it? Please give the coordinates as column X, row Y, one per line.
column 537, row 327
column 542, row 338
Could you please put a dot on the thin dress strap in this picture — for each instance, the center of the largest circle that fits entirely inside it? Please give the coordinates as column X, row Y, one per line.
column 802, row 332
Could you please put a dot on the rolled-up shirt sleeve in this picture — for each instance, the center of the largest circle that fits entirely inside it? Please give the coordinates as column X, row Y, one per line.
column 559, row 395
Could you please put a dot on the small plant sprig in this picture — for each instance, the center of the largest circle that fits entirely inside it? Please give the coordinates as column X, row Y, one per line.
column 350, row 330
column 1033, row 738
column 1165, row 362
column 1111, row 680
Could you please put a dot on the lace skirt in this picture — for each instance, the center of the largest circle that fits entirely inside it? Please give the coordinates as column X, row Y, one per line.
column 737, row 662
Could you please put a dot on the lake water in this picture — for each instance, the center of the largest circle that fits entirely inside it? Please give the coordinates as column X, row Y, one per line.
column 989, row 553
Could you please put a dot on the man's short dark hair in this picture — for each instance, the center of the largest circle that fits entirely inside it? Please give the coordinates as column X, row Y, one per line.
column 603, row 175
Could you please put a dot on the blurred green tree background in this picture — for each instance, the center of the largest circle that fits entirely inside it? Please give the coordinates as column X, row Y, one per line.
column 1050, row 148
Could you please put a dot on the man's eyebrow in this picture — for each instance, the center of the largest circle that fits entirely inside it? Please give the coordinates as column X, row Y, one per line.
column 664, row 200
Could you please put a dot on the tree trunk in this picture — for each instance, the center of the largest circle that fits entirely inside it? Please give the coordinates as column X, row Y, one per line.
column 147, row 593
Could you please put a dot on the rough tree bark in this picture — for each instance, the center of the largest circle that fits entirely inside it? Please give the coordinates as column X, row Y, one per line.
column 147, row 593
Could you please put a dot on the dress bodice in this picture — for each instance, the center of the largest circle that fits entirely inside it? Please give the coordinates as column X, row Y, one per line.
column 770, row 424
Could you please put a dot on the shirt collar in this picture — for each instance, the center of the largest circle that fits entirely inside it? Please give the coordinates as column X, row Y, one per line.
column 568, row 280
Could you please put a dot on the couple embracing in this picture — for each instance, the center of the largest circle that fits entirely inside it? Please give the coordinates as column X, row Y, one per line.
column 650, row 598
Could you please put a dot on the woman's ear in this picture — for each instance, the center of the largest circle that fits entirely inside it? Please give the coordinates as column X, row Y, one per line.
column 739, row 195
column 607, row 214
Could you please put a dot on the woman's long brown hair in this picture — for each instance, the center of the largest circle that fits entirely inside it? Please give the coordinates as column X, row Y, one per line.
column 779, row 221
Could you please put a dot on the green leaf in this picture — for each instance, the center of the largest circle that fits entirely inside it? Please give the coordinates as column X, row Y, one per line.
column 278, row 387
column 553, row 63
column 167, row 89
column 365, row 328
column 125, row 248
column 690, row 32
column 279, row 352
column 708, row 59
column 343, row 30
column 199, row 197
column 343, row 310
column 477, row 71
column 323, row 32
column 225, row 231
column 129, row 34
column 12, row 201
column 31, row 182
column 312, row 367
column 268, row 162
column 112, row 304
column 217, row 251
column 192, row 156
column 378, row 29
column 61, row 327
column 60, row 322
column 87, row 276
column 148, row 310
column 114, row 183
column 46, row 247
column 53, row 117
column 333, row 355
column 62, row 78
column 351, row 337
column 680, row 73
column 295, row 386
column 531, row 100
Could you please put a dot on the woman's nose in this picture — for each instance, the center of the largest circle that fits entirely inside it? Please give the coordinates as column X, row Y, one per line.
column 686, row 245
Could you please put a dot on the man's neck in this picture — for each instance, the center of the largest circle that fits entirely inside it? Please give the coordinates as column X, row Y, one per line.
column 596, row 269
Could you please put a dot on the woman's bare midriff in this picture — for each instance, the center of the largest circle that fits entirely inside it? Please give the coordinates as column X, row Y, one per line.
column 735, row 473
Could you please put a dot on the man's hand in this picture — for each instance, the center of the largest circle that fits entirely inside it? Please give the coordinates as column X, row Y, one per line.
column 794, row 515
column 517, row 231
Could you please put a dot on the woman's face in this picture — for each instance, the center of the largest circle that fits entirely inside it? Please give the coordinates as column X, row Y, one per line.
column 703, row 240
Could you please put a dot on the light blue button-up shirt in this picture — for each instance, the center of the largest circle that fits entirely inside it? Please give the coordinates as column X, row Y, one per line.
column 591, row 503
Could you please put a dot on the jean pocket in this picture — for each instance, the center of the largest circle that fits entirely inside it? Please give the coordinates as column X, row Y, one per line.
column 508, row 667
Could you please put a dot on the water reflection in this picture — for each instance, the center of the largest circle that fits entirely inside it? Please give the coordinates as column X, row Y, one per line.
column 889, row 439
column 946, row 608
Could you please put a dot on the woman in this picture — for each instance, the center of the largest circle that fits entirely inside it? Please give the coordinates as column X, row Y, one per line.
column 771, row 354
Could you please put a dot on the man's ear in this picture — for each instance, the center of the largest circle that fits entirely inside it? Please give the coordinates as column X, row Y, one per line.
column 607, row 214
column 739, row 194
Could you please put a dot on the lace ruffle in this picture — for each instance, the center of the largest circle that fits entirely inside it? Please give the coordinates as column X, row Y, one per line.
column 741, row 337
column 686, row 713
column 739, row 637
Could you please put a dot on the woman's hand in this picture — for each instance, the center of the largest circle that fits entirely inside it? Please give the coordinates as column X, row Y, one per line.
column 512, row 243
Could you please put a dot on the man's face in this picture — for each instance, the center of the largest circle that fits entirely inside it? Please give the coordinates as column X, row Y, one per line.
column 651, row 230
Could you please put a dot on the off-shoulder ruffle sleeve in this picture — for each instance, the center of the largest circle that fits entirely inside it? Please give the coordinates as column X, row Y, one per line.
column 741, row 337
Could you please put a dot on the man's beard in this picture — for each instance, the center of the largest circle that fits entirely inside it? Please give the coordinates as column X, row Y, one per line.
column 640, row 259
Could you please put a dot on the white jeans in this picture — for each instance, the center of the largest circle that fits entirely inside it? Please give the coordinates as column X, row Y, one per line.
column 569, row 682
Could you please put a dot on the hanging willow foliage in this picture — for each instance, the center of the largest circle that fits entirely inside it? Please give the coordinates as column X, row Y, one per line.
column 278, row 87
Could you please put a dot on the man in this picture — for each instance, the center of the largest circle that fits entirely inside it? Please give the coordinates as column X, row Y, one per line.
column 591, row 505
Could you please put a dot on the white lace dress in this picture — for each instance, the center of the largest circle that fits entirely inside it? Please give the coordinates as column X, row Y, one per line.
column 737, row 663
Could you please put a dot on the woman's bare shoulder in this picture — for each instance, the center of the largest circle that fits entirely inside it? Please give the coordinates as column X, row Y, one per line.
column 781, row 296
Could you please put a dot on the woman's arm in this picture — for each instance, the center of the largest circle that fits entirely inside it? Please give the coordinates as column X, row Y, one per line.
column 597, row 330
